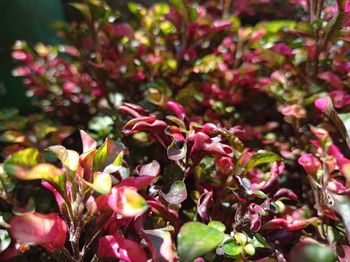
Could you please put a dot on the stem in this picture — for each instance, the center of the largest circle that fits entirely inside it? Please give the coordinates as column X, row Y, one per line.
column 332, row 26
column 88, row 244
column 95, row 259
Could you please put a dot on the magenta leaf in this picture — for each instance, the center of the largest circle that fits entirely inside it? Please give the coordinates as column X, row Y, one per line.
column 116, row 247
column 177, row 109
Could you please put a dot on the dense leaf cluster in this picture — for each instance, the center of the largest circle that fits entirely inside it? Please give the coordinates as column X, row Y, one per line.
column 215, row 131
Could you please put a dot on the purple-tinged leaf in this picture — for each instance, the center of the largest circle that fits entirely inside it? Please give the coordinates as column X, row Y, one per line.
column 88, row 142
column 310, row 163
column 151, row 169
column 177, row 109
column 177, row 193
column 138, row 182
column 285, row 193
column 161, row 245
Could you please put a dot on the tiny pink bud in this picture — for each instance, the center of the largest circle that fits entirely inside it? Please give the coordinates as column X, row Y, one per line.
column 323, row 104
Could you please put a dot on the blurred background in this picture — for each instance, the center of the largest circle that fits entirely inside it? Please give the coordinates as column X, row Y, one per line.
column 32, row 21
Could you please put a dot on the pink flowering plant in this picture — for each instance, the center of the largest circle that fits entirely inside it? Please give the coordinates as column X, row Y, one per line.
column 215, row 131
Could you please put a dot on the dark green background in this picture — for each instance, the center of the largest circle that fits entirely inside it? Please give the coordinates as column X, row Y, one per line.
column 31, row 20
column 28, row 20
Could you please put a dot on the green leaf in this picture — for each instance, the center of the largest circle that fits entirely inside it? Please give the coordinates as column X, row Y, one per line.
column 195, row 239
column 26, row 158
column 84, row 9
column 11, row 136
column 106, row 154
column 232, row 249
column 341, row 121
column 5, row 240
column 342, row 206
column 241, row 238
column 178, row 4
column 249, row 249
column 167, row 27
column 312, row 253
column 207, row 64
column 102, row 183
column 261, row 157
column 8, row 183
column 118, row 161
column 161, row 9
column 258, row 241
column 69, row 158
column 217, row 225
column 189, row 93
column 344, row 128
column 277, row 25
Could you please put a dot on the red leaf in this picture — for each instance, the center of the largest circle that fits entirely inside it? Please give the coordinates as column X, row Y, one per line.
column 48, row 231
column 177, row 109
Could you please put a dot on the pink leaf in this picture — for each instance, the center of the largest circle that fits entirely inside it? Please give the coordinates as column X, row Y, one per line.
column 139, row 182
column 88, row 142
column 177, row 109
column 331, row 79
column 324, row 104
column 114, row 246
column 147, row 123
column 310, row 163
column 49, row 231
column 151, row 169
column 126, row 201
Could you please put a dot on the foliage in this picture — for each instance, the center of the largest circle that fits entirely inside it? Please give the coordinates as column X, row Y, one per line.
column 212, row 136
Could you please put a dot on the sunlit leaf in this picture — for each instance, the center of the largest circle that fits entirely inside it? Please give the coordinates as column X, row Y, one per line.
column 12, row 137
column 195, row 239
column 49, row 231
column 25, row 158
column 261, row 157
column 5, row 240
column 69, row 158
column 88, row 142
column 43, row 171
column 126, row 201
column 102, row 182
column 217, row 225
column 106, row 154
column 232, row 249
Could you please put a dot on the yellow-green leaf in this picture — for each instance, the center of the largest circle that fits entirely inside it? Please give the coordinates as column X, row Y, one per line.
column 102, row 182
column 127, row 202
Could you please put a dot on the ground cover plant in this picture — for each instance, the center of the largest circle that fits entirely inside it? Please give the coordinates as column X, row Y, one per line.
column 193, row 131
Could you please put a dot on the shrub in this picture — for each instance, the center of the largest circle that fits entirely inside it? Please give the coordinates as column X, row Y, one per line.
column 227, row 135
